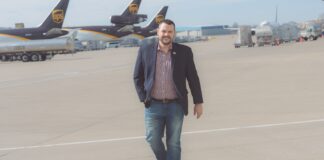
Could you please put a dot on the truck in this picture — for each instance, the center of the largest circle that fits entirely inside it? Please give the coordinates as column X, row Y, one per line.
column 311, row 32
column 264, row 35
column 268, row 34
column 244, row 37
column 35, row 50
column 289, row 32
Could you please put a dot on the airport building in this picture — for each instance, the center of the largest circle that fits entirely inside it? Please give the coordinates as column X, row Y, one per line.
column 190, row 33
column 19, row 25
column 216, row 30
column 201, row 33
column 189, row 36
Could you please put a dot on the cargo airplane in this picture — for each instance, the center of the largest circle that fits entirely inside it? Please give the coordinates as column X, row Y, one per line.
column 114, row 33
column 50, row 28
column 126, row 21
column 122, row 24
column 151, row 28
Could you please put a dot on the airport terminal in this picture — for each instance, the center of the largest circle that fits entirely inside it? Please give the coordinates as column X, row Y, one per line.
column 67, row 92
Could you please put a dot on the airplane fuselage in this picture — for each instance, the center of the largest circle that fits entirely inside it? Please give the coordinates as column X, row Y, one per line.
column 13, row 35
column 101, row 33
column 108, row 33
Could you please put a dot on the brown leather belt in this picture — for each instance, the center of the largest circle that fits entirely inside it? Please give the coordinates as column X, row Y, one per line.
column 165, row 101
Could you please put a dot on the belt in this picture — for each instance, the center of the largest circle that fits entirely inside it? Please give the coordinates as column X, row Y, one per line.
column 164, row 100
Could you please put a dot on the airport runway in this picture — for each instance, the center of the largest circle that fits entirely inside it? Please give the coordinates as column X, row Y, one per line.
column 260, row 104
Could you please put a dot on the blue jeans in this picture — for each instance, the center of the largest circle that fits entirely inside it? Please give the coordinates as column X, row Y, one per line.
column 160, row 117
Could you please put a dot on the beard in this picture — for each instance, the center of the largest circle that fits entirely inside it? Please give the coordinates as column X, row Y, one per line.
column 166, row 40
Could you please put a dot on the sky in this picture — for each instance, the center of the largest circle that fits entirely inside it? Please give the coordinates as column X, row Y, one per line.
column 183, row 12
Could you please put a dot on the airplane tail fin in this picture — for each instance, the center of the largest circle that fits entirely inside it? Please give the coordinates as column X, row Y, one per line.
column 57, row 16
column 132, row 8
column 160, row 16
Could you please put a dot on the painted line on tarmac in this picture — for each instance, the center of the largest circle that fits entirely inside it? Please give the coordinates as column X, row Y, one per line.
column 255, row 126
column 143, row 137
column 72, row 143
column 37, row 80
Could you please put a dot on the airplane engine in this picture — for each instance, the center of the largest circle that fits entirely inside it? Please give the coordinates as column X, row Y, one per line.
column 56, row 31
column 128, row 20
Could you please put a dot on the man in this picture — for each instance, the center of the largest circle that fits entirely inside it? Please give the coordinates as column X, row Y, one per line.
column 160, row 75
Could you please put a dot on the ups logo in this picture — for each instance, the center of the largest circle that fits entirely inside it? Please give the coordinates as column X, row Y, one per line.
column 159, row 19
column 133, row 8
column 58, row 16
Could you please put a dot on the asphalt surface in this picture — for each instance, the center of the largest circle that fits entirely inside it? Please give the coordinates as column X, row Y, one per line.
column 260, row 103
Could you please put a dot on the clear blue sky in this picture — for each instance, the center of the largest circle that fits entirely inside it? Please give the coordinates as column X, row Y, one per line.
column 183, row 12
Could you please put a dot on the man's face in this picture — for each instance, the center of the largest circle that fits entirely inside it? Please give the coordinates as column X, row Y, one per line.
column 166, row 33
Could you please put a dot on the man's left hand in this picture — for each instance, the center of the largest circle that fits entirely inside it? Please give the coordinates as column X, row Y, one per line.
column 198, row 110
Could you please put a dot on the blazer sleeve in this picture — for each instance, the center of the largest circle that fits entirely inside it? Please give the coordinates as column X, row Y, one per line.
column 138, row 76
column 193, row 79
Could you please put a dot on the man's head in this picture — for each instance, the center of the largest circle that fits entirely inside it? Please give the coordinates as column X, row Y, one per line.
column 166, row 32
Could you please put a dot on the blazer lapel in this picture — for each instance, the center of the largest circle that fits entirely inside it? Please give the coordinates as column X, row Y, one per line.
column 154, row 56
column 173, row 56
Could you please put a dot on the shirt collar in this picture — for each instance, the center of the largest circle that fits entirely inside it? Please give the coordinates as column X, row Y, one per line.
column 170, row 48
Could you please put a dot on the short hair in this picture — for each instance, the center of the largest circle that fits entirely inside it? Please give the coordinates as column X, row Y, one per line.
column 168, row 22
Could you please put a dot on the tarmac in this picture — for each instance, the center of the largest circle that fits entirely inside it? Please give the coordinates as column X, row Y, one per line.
column 262, row 103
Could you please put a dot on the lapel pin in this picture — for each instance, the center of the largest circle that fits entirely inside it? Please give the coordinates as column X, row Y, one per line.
column 174, row 53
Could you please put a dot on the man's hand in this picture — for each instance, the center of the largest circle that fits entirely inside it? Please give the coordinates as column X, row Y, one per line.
column 198, row 110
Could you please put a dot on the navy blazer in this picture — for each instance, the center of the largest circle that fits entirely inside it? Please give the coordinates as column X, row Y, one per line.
column 183, row 68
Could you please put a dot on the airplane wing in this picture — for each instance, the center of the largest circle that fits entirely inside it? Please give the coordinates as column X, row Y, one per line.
column 127, row 28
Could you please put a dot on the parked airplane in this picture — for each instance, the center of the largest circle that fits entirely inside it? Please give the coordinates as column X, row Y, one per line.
column 113, row 33
column 129, row 17
column 123, row 24
column 50, row 28
column 151, row 28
